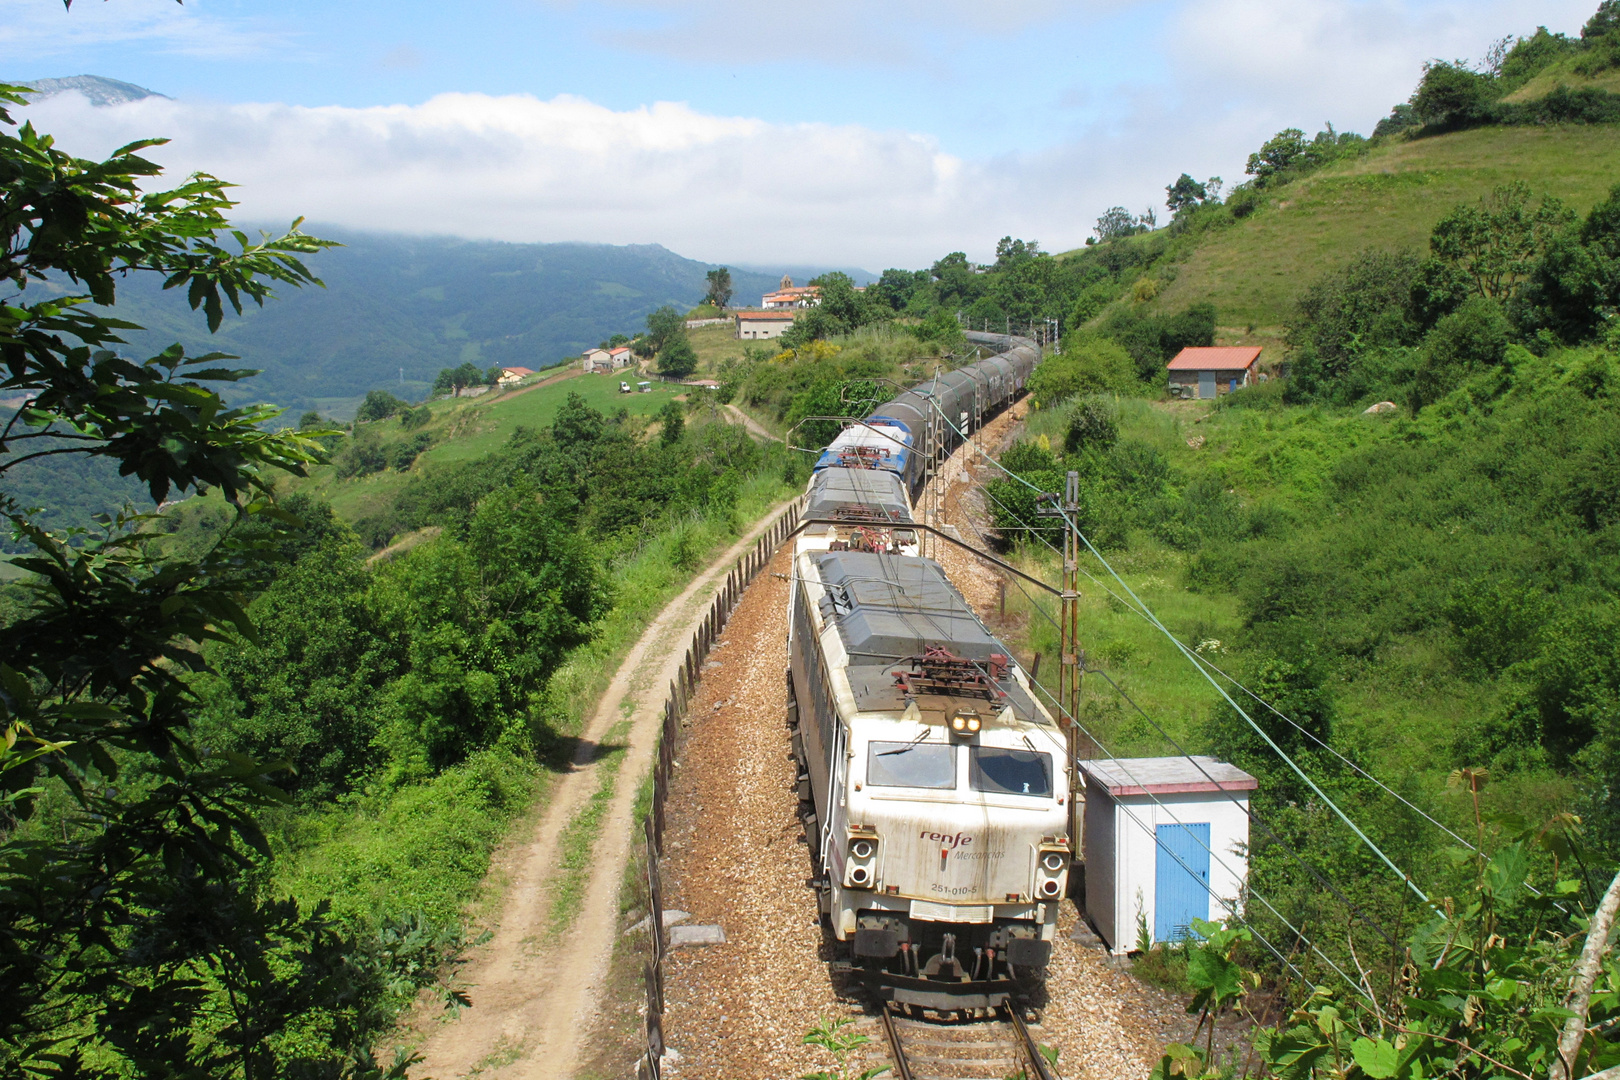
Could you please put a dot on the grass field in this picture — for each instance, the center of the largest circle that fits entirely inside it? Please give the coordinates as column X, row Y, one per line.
column 469, row 428
column 1253, row 270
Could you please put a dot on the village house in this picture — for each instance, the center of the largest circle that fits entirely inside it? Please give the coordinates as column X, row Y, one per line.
column 512, row 375
column 621, row 357
column 753, row 325
column 1209, row 372
column 590, row 358
column 789, row 296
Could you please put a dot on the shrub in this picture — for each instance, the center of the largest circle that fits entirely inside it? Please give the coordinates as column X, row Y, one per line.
column 379, row 405
column 405, row 453
column 362, row 456
column 1092, row 427
column 1087, row 366
column 1474, row 336
column 1451, row 96
column 678, row 359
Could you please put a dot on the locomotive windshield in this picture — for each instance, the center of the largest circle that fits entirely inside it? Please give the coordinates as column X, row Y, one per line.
column 911, row 764
column 1005, row 771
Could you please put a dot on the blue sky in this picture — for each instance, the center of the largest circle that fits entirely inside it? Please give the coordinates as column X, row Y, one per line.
column 849, row 131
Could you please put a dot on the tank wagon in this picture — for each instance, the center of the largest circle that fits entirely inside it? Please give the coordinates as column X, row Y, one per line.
column 901, row 434
column 937, row 794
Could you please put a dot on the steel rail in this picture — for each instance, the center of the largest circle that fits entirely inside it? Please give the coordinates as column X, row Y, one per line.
column 1032, row 1050
column 902, row 1068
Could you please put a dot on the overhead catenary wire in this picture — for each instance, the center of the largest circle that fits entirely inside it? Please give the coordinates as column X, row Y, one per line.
column 1272, row 743
column 1200, row 658
column 1316, row 873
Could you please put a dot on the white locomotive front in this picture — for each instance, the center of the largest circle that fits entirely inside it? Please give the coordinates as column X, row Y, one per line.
column 937, row 793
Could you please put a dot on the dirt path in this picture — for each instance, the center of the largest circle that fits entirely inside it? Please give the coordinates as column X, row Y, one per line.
column 755, row 428
column 531, row 1001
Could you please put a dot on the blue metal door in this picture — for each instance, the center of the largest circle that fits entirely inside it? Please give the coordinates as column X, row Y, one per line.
column 1206, row 384
column 1181, row 880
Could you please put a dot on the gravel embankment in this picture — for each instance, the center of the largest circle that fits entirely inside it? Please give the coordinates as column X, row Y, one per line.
column 740, row 1010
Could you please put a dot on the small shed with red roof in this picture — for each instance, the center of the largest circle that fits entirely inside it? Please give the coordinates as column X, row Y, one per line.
column 1209, row 372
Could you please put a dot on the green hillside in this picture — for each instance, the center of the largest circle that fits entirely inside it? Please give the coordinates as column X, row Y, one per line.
column 465, row 429
column 1391, row 198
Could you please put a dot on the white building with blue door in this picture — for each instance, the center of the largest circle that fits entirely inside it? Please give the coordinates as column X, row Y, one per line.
column 1166, row 841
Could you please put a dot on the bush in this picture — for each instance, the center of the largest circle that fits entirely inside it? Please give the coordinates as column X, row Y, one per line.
column 1475, row 336
column 678, row 359
column 1092, row 427
column 1451, row 96
column 363, row 456
column 379, row 405
column 404, row 454
column 1087, row 366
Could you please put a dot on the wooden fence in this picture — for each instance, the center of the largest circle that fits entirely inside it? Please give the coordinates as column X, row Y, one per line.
column 675, row 709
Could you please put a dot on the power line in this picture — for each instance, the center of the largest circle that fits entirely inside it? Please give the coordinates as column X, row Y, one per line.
column 1248, row 812
column 1289, row 761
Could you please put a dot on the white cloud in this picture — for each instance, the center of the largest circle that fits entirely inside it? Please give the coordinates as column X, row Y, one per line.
column 1349, row 61
column 517, row 168
column 41, row 29
column 736, row 188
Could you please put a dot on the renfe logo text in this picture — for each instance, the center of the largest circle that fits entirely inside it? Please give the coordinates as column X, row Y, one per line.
column 958, row 840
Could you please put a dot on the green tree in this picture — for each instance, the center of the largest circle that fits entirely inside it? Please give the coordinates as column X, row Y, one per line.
column 1576, row 284
column 133, row 939
column 663, row 326
column 1452, row 96
column 1278, row 154
column 1605, row 21
column 454, row 380
column 673, row 417
column 677, row 359
column 840, row 302
column 379, row 405
column 1114, row 223
column 306, row 690
column 576, row 423
column 1495, row 244
column 719, row 287
column 1185, row 194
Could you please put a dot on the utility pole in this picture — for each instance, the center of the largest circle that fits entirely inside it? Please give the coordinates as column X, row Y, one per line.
column 1069, row 654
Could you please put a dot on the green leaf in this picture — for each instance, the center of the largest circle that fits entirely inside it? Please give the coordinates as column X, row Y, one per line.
column 1376, row 1059
column 1208, row 970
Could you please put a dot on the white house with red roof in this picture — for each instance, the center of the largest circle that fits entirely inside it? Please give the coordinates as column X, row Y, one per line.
column 1209, row 372
column 513, row 375
column 621, row 356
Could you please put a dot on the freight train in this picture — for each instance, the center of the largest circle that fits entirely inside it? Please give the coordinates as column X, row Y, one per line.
column 938, row 796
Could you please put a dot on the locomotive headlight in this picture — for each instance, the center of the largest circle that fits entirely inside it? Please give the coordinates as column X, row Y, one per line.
column 862, row 849
column 1050, row 887
column 965, row 722
column 1052, row 861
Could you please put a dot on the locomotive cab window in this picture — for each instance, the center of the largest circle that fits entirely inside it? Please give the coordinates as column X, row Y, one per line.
column 1004, row 771
column 911, row 764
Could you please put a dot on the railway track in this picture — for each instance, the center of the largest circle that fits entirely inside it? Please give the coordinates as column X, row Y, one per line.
column 975, row 1050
